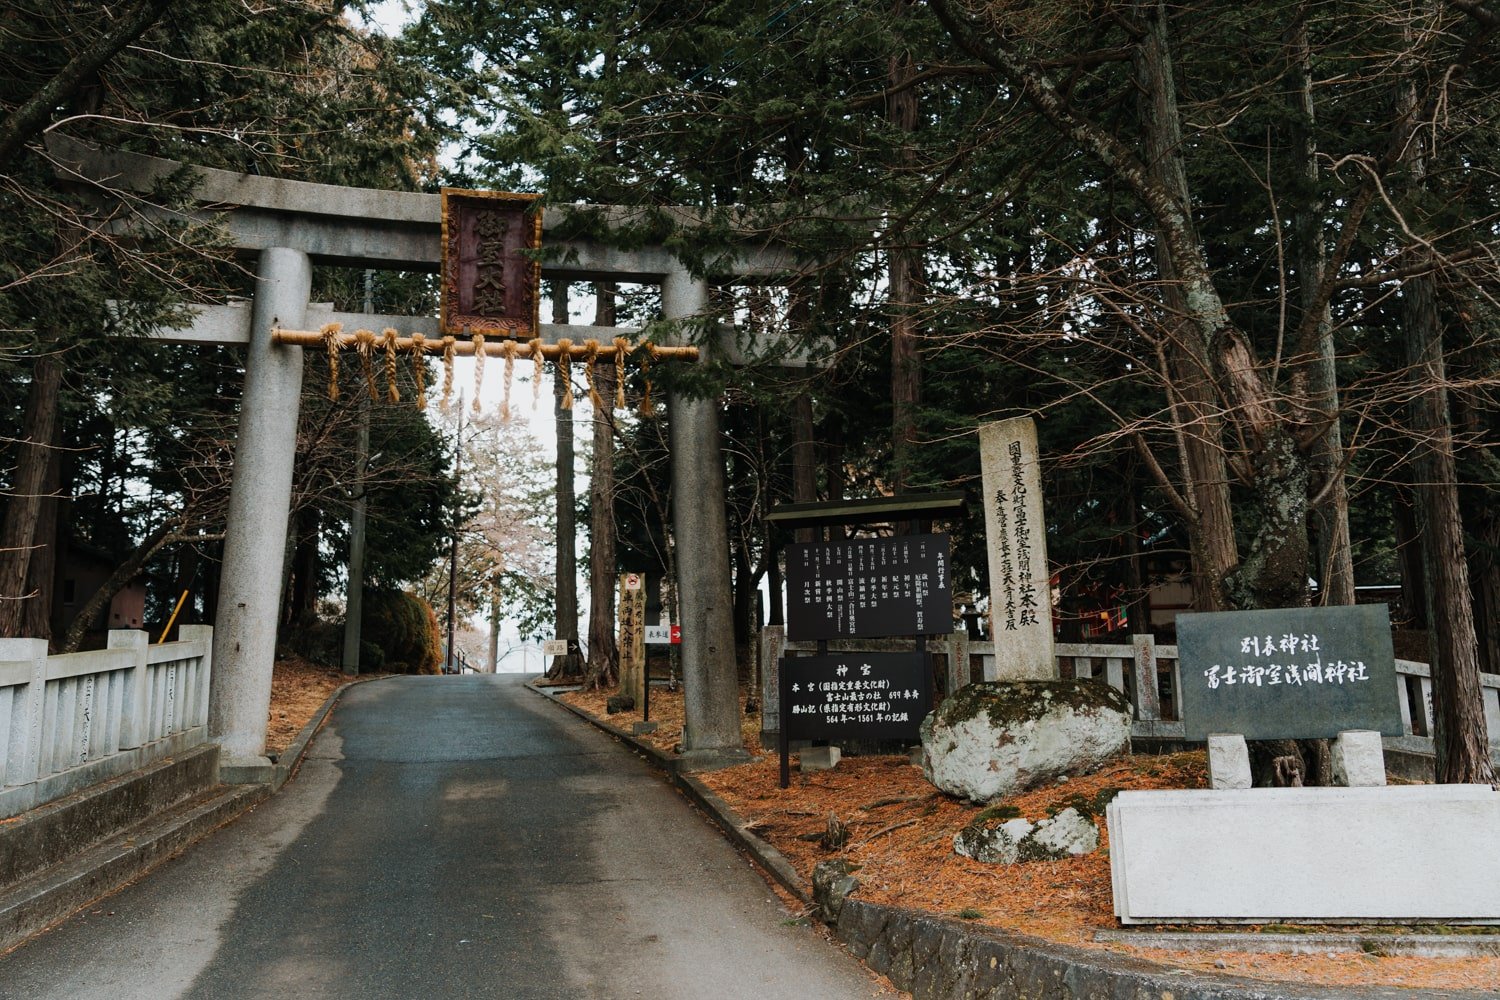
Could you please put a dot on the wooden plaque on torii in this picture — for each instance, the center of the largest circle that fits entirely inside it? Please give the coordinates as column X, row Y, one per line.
column 489, row 285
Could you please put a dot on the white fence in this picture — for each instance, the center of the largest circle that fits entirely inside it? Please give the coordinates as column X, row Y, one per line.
column 72, row 720
column 1148, row 675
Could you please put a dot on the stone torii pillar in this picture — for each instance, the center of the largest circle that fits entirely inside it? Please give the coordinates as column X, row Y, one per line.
column 255, row 536
column 711, row 737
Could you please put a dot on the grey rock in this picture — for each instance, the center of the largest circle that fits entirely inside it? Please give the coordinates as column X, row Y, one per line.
column 995, row 739
column 1008, row 842
column 833, row 883
column 619, row 703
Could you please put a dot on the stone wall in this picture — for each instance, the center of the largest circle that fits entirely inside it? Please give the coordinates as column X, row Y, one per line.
column 941, row 959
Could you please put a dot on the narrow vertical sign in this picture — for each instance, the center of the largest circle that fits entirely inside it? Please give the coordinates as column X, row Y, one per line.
column 632, row 636
column 1016, row 534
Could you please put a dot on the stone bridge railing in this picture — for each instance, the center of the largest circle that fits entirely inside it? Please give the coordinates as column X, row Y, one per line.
column 72, row 720
column 1147, row 673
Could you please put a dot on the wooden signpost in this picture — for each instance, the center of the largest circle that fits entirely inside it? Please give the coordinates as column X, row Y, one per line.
column 633, row 636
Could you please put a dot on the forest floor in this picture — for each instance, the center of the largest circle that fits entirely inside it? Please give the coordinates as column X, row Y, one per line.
column 298, row 689
column 901, row 836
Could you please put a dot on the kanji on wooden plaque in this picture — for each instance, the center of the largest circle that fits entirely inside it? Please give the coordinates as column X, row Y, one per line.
column 489, row 285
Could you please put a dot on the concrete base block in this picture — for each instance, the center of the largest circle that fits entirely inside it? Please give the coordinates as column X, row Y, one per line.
column 1228, row 761
column 819, row 758
column 1405, row 853
column 642, row 728
column 693, row 761
column 1358, row 759
column 247, row 771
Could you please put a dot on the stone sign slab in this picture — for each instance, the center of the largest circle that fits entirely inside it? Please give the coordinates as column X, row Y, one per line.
column 1016, row 537
column 869, row 587
column 855, row 696
column 1290, row 673
column 1420, row 853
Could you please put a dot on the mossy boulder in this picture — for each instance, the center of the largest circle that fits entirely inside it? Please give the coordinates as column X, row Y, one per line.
column 996, row 739
column 1008, row 841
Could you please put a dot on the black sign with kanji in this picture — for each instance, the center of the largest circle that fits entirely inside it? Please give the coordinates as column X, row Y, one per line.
column 869, row 587
column 855, row 696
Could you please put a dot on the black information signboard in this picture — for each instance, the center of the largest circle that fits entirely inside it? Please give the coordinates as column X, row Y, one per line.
column 1291, row 673
column 854, row 696
column 869, row 587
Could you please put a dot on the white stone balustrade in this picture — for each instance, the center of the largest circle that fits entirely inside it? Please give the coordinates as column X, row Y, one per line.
column 72, row 720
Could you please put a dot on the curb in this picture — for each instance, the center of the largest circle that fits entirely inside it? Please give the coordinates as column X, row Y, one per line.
column 734, row 826
column 288, row 760
column 936, row 958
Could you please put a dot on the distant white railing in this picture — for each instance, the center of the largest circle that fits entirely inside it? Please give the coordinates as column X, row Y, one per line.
column 1146, row 673
column 71, row 720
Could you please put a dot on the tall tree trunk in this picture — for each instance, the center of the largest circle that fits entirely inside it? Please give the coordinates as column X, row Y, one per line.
column 1484, row 577
column 604, row 658
column 41, row 569
column 304, row 596
column 18, row 535
column 572, row 664
column 1335, row 564
column 1200, row 425
column 1461, row 738
column 905, row 278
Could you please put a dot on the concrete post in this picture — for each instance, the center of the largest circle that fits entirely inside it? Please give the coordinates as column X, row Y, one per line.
column 700, row 527
column 197, row 712
column 772, row 645
column 958, row 661
column 259, row 503
column 135, row 728
column 23, row 757
column 1147, row 697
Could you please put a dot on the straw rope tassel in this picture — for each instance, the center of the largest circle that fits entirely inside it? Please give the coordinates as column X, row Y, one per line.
column 509, row 350
column 450, row 348
column 565, row 371
column 647, row 408
column 331, row 345
column 536, row 372
column 389, row 336
column 419, row 368
column 622, row 348
column 478, row 369
column 591, row 358
column 364, row 342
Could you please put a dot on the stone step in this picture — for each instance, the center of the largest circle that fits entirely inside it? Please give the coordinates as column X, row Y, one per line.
column 39, row 838
column 33, row 904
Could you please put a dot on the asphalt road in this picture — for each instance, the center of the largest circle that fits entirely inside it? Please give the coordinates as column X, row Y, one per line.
column 448, row 837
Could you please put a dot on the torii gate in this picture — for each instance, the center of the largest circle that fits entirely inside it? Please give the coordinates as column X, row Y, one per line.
column 291, row 225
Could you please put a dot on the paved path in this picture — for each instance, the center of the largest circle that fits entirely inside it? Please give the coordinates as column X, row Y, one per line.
column 448, row 837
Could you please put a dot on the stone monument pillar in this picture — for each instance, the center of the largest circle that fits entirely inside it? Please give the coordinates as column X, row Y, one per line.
column 255, row 536
column 1016, row 536
column 701, row 530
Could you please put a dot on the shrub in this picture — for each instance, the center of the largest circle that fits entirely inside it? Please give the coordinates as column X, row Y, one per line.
column 403, row 630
